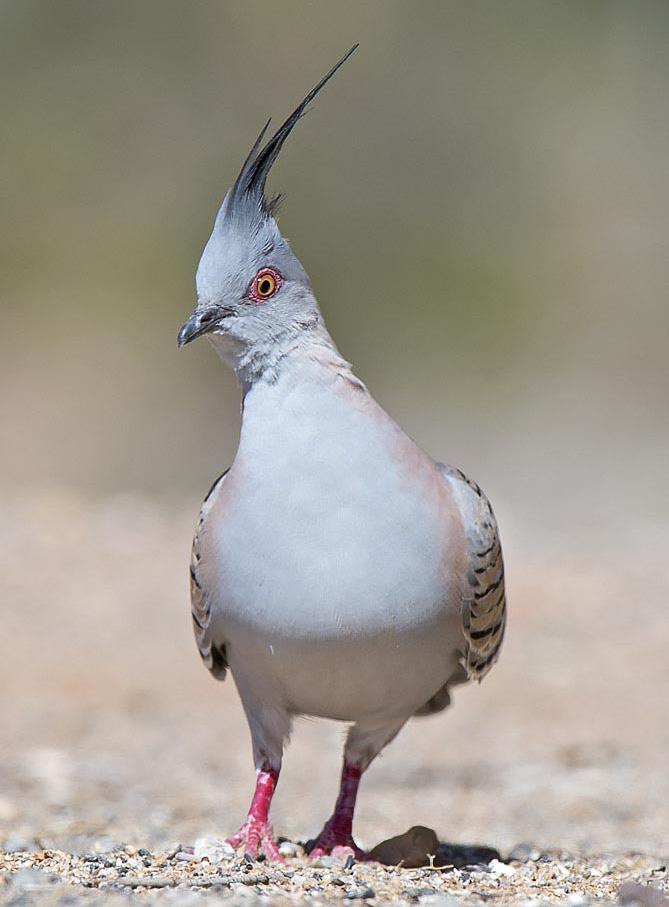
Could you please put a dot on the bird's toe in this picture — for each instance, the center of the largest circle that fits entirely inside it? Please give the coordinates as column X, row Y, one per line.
column 339, row 846
column 255, row 836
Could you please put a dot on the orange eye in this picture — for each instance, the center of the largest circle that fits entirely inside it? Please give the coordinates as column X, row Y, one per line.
column 265, row 286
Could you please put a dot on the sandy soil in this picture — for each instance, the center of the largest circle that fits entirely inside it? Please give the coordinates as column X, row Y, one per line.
column 115, row 738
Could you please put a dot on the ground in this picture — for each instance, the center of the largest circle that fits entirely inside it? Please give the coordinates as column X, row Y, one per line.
column 120, row 753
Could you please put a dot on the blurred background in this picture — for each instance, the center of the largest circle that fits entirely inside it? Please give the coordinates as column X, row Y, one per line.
column 481, row 200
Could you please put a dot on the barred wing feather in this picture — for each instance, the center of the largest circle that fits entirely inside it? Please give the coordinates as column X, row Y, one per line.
column 213, row 655
column 484, row 602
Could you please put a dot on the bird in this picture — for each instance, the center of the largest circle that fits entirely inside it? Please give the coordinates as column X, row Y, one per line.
column 337, row 570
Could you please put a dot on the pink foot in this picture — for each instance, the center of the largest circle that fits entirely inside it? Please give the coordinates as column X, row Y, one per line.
column 336, row 838
column 256, row 835
column 338, row 844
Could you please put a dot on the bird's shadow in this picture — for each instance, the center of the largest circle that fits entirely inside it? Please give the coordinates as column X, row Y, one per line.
column 460, row 856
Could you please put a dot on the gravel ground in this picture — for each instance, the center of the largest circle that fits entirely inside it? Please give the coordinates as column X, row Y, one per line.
column 118, row 875
column 122, row 762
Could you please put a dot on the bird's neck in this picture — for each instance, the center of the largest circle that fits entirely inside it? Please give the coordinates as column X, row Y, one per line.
column 292, row 351
column 312, row 406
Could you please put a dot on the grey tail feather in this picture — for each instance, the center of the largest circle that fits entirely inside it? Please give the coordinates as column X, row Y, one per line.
column 219, row 662
column 253, row 175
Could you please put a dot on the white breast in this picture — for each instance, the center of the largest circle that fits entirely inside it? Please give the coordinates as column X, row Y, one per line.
column 331, row 545
column 323, row 519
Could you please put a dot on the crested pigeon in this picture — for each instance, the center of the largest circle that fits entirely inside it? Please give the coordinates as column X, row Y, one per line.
column 337, row 570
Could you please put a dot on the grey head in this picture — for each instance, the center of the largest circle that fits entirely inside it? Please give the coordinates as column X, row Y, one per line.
column 251, row 288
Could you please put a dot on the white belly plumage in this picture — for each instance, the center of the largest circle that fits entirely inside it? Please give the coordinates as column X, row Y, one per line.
column 329, row 577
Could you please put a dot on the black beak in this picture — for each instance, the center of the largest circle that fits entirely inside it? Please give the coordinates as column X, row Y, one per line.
column 200, row 323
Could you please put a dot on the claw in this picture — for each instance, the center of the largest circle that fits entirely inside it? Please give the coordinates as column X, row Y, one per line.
column 336, row 844
column 256, row 835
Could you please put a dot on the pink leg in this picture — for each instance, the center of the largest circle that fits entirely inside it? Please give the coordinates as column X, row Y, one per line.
column 256, row 832
column 337, row 831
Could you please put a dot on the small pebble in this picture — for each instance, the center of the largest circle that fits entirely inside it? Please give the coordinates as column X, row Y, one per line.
column 148, row 882
column 522, row 853
column 27, row 880
column 633, row 894
column 326, row 862
column 288, row 849
column 213, row 849
column 360, row 894
column 501, row 869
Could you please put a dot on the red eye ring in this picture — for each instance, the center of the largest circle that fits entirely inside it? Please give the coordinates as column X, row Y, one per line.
column 264, row 285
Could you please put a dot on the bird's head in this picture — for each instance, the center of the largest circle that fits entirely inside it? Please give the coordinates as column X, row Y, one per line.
column 251, row 288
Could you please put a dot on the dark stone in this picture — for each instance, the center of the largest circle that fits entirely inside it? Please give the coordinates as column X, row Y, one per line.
column 360, row 894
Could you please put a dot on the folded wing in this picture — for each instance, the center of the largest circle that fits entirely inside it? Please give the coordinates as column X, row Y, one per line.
column 213, row 655
column 484, row 601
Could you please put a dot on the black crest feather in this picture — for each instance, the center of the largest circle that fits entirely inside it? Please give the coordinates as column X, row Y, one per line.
column 250, row 184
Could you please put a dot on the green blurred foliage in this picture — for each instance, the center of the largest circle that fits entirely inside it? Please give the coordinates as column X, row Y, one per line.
column 480, row 198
